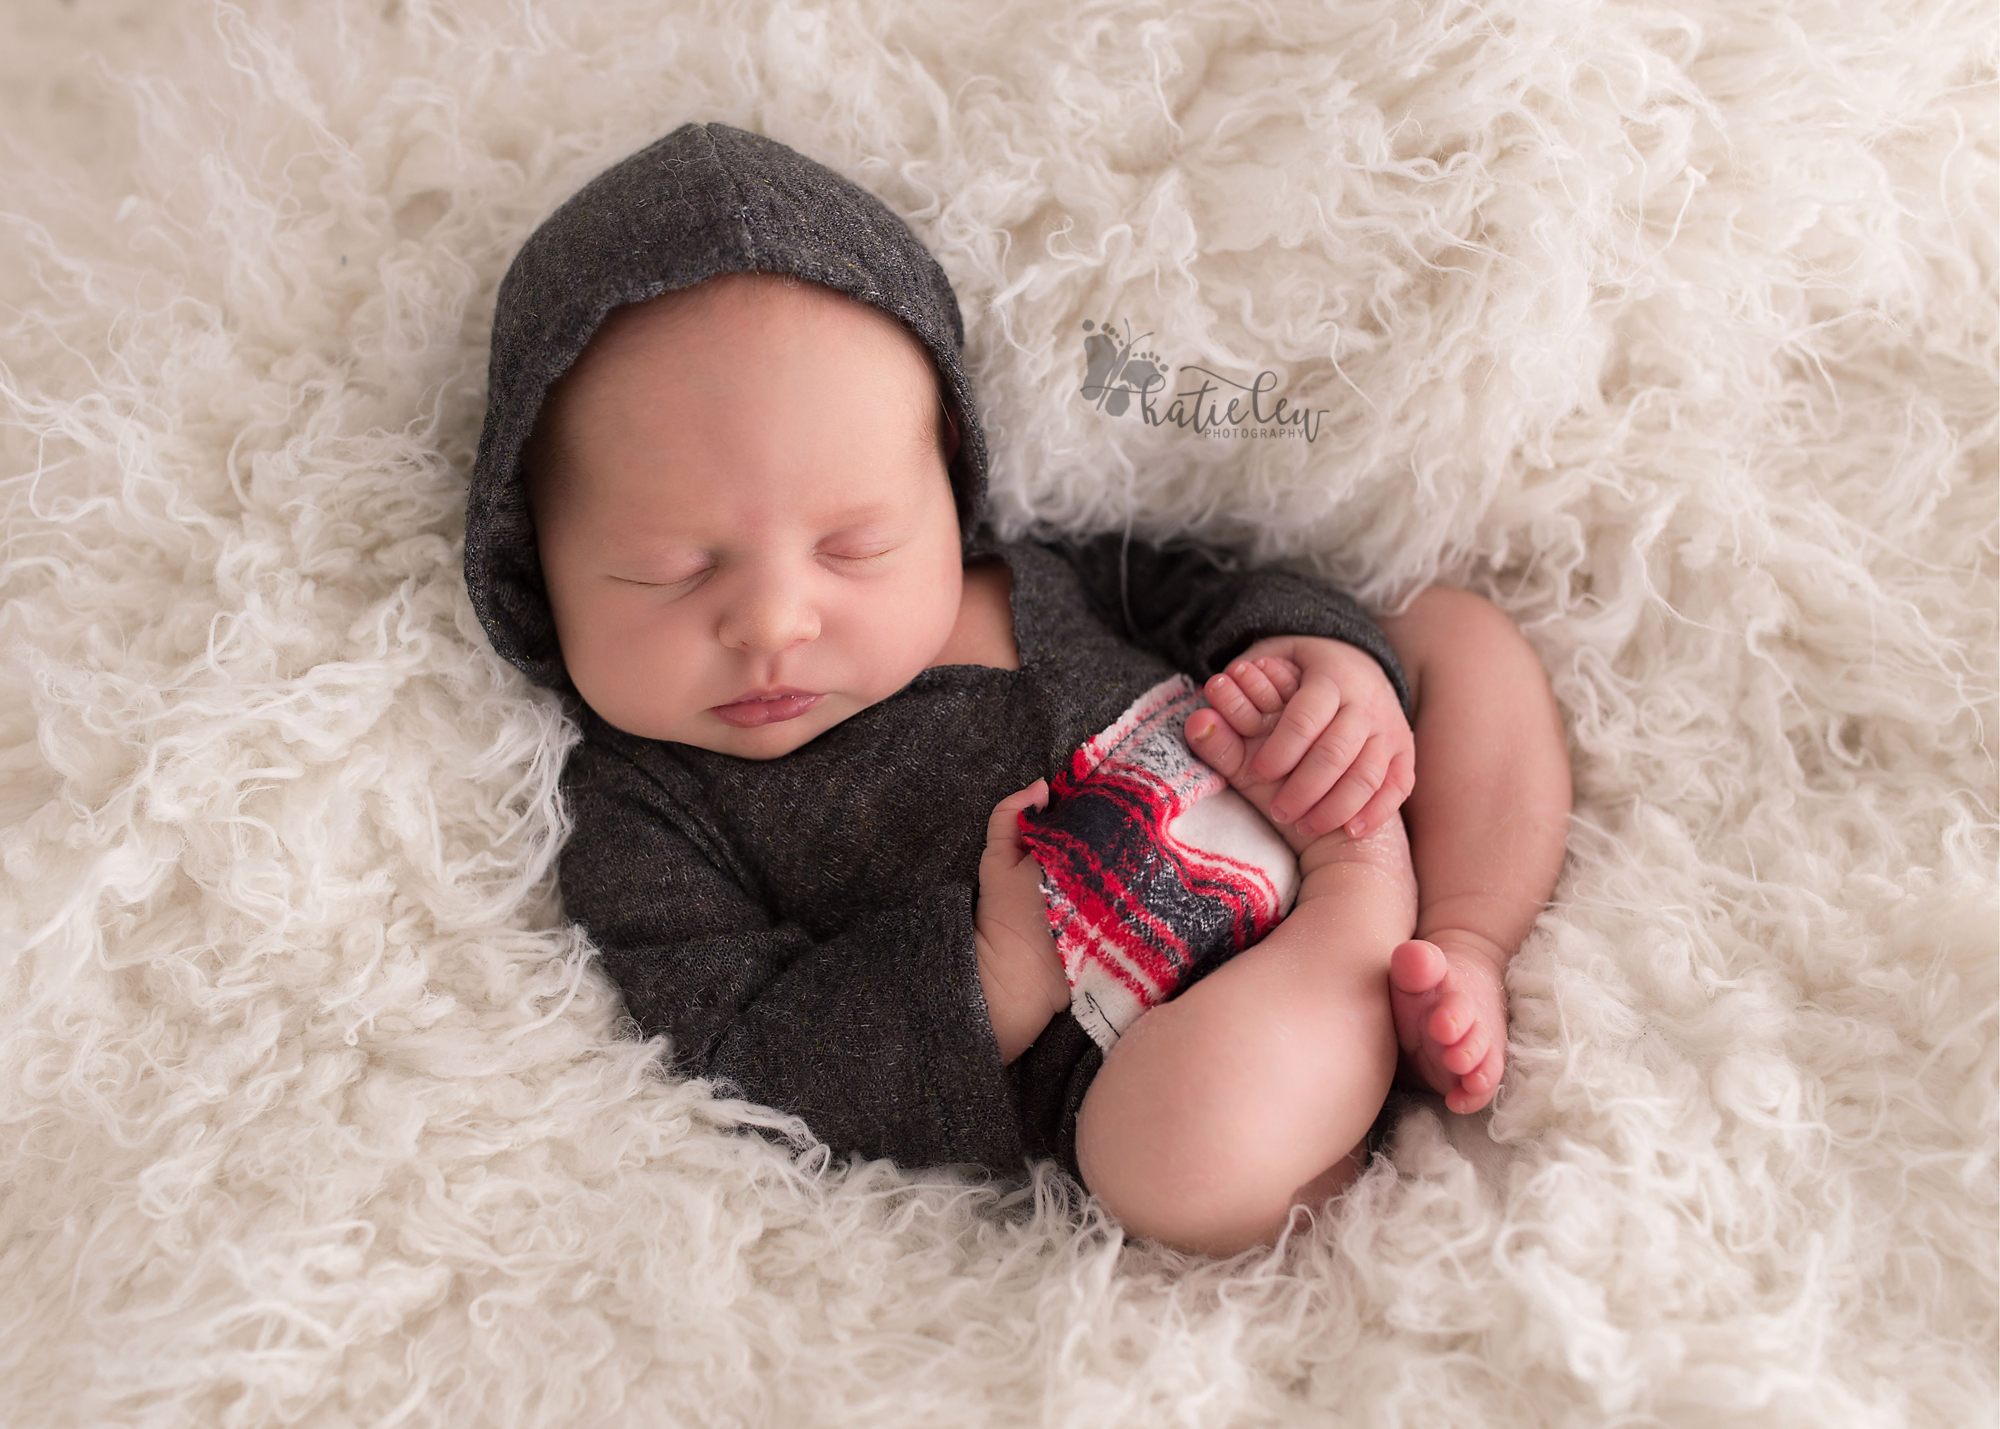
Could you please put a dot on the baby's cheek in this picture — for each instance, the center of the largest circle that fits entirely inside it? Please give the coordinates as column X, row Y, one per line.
column 636, row 664
column 901, row 627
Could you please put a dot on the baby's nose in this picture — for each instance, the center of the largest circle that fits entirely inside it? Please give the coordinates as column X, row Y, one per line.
column 766, row 619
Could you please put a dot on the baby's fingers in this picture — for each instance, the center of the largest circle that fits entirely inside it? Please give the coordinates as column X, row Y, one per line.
column 1228, row 700
column 1003, row 827
column 1335, row 777
column 1299, row 728
column 1247, row 696
column 1215, row 743
column 1382, row 806
column 1268, row 681
column 1282, row 673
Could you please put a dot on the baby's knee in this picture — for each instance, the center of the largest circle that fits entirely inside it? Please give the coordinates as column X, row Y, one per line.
column 1217, row 1198
column 1206, row 1148
column 1448, row 626
column 1441, row 608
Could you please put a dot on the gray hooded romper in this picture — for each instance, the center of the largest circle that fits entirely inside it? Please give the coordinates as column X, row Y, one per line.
column 801, row 928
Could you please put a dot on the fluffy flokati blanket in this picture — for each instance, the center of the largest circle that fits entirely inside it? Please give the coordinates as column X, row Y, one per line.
column 1669, row 326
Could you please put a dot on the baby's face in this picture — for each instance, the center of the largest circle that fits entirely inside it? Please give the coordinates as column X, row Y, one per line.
column 745, row 522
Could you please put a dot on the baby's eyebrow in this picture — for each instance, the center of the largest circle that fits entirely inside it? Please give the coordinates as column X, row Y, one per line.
column 630, row 546
column 864, row 511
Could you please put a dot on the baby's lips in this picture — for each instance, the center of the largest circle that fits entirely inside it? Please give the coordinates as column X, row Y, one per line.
column 771, row 709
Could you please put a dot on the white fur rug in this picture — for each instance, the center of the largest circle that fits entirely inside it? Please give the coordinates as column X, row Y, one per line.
column 1671, row 326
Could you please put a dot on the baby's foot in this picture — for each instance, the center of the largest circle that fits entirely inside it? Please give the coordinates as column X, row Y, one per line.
column 1450, row 1007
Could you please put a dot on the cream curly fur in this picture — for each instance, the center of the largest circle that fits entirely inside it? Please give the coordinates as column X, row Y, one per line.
column 1670, row 328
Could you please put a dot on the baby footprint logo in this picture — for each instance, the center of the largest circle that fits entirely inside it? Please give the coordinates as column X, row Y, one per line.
column 1113, row 373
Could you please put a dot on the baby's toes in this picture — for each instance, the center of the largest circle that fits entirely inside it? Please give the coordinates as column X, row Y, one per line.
column 1416, row 974
column 1453, row 1019
column 1475, row 1088
column 1417, row 967
column 1465, row 1055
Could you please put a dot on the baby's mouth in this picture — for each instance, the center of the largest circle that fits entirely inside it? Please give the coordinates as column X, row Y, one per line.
column 769, row 708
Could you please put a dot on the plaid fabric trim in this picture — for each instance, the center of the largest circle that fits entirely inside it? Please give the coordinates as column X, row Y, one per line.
column 1154, row 869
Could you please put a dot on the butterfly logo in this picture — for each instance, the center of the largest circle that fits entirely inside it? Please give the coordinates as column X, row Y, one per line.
column 1114, row 372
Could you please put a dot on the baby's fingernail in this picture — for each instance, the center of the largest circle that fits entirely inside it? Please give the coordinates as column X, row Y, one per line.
column 1199, row 728
column 1356, row 829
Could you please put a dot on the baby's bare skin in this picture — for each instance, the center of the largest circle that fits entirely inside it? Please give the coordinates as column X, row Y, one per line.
column 1273, row 1067
column 1218, row 1111
column 1487, row 819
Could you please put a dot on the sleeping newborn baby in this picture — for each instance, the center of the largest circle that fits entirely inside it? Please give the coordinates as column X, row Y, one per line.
column 933, row 839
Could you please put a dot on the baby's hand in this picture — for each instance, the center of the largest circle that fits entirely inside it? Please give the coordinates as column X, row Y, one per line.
column 1229, row 746
column 1330, row 720
column 1019, row 969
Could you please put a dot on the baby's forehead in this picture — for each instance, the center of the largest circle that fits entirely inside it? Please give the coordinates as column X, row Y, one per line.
column 717, row 333
column 742, row 301
column 753, row 345
column 767, row 290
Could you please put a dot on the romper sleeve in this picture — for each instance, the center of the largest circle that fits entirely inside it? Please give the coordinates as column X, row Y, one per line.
column 1180, row 603
column 879, row 1036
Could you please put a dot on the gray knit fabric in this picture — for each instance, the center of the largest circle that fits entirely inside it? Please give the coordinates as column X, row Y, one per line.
column 801, row 928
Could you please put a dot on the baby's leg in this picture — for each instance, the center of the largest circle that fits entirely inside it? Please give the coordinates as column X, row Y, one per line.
column 1218, row 1111
column 1487, row 822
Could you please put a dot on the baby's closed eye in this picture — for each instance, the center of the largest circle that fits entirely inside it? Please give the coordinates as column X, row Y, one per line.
column 652, row 581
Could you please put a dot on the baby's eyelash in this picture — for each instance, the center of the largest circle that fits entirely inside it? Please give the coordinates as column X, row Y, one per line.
column 666, row 585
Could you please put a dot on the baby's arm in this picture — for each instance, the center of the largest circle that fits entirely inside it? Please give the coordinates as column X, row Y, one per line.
column 876, row 1034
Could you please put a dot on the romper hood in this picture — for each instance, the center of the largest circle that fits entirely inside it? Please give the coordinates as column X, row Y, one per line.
column 704, row 201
